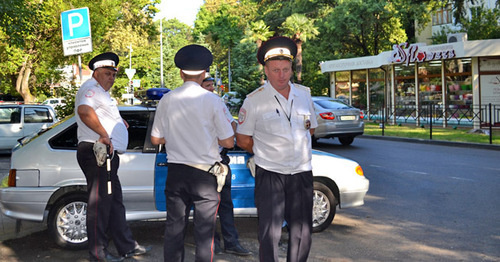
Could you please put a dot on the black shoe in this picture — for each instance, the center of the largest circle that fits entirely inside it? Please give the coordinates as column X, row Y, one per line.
column 139, row 250
column 108, row 258
column 217, row 249
column 238, row 250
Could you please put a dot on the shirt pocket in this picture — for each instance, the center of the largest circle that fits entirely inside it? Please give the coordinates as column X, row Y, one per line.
column 302, row 118
column 272, row 123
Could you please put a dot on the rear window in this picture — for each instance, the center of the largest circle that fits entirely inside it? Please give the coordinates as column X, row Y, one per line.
column 332, row 104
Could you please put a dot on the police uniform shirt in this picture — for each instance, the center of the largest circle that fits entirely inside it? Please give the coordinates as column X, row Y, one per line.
column 93, row 95
column 279, row 127
column 191, row 119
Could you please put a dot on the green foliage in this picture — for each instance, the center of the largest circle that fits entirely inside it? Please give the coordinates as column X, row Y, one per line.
column 245, row 72
column 484, row 23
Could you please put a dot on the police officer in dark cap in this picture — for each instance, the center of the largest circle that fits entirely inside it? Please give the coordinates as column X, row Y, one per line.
column 190, row 121
column 276, row 122
column 101, row 131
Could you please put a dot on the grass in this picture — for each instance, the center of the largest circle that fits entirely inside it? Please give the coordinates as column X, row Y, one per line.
column 438, row 133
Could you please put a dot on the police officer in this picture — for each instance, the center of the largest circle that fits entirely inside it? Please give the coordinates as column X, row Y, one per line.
column 276, row 122
column 226, row 212
column 98, row 120
column 190, row 121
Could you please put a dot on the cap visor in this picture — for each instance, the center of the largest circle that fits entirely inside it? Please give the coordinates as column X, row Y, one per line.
column 193, row 73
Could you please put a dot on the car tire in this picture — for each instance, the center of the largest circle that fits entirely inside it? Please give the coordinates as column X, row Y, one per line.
column 346, row 140
column 67, row 222
column 324, row 207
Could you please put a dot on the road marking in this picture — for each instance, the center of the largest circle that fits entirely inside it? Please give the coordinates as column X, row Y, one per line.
column 461, row 178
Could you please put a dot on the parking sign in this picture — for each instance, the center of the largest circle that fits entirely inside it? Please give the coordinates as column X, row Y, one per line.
column 75, row 27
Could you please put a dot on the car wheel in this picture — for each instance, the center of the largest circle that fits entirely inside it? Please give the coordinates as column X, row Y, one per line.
column 67, row 222
column 324, row 207
column 346, row 140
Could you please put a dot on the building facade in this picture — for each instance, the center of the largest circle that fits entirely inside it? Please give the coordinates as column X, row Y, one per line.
column 449, row 84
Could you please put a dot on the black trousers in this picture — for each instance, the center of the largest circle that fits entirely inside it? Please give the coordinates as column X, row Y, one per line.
column 105, row 212
column 186, row 187
column 278, row 198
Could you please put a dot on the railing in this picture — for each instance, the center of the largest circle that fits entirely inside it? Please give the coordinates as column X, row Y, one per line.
column 485, row 116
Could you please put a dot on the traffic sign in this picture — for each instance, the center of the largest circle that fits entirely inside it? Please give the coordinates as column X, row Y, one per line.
column 130, row 73
column 75, row 27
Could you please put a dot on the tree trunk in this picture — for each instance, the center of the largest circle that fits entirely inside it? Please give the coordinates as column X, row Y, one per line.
column 22, row 83
column 298, row 61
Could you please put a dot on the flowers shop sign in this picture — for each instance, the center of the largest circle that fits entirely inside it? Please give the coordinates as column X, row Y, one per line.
column 404, row 54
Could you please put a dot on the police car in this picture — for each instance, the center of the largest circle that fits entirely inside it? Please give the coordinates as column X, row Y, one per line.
column 51, row 188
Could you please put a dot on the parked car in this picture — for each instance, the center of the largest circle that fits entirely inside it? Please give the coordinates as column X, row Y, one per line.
column 51, row 187
column 230, row 99
column 21, row 120
column 54, row 102
column 337, row 119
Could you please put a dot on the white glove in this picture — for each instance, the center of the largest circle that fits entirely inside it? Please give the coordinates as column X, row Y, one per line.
column 100, row 153
column 251, row 165
column 220, row 171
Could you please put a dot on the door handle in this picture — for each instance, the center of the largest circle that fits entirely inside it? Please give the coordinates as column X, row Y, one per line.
column 162, row 164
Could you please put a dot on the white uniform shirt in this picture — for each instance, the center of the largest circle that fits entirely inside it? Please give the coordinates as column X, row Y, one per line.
column 279, row 127
column 191, row 119
column 93, row 95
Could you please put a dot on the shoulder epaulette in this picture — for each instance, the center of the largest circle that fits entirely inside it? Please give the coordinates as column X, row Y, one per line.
column 255, row 91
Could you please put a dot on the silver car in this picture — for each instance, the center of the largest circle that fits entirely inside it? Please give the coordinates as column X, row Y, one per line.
column 18, row 121
column 337, row 119
column 51, row 188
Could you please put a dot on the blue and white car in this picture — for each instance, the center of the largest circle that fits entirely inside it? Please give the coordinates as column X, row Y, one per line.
column 51, row 188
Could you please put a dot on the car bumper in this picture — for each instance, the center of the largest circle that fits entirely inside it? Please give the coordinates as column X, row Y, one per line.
column 354, row 197
column 336, row 130
column 25, row 203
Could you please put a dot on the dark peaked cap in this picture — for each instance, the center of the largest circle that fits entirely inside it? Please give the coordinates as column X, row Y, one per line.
column 106, row 60
column 193, row 59
column 279, row 47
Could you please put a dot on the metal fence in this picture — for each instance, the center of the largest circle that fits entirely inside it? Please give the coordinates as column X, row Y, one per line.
column 479, row 117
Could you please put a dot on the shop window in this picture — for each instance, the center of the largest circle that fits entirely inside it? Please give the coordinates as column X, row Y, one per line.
column 405, row 85
column 358, row 91
column 377, row 82
column 430, row 83
column 458, row 77
column 342, row 86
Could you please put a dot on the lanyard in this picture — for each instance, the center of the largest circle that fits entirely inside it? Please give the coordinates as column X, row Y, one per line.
column 284, row 112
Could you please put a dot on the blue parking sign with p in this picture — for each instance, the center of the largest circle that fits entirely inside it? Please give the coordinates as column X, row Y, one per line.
column 75, row 23
column 75, row 27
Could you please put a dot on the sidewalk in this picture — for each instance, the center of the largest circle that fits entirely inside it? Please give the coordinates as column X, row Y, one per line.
column 434, row 142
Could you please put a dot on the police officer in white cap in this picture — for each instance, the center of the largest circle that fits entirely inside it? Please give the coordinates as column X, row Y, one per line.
column 276, row 122
column 190, row 121
column 99, row 122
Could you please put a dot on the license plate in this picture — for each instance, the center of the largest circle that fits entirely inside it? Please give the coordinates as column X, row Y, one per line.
column 346, row 118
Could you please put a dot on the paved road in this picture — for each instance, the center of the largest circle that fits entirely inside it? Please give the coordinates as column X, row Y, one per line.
column 426, row 203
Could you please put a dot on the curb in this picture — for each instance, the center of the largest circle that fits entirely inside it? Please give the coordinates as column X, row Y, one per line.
column 434, row 142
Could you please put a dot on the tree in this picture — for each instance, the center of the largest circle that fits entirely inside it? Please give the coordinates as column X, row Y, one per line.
column 362, row 28
column 257, row 32
column 33, row 27
column 300, row 28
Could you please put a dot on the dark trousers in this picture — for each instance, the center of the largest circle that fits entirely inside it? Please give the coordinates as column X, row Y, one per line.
column 226, row 216
column 280, row 197
column 186, row 187
column 105, row 212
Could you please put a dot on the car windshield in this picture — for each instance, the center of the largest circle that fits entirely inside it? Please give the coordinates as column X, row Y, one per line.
column 332, row 104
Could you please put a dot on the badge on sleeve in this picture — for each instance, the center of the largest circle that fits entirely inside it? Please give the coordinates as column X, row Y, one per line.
column 242, row 115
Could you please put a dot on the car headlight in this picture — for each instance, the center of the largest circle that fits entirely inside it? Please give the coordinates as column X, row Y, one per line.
column 359, row 170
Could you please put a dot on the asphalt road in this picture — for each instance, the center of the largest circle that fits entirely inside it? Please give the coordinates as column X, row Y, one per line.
column 426, row 203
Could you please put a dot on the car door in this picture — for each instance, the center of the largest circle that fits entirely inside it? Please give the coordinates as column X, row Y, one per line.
column 36, row 118
column 11, row 127
column 242, row 182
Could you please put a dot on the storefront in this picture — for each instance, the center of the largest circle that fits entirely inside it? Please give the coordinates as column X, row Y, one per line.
column 449, row 84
